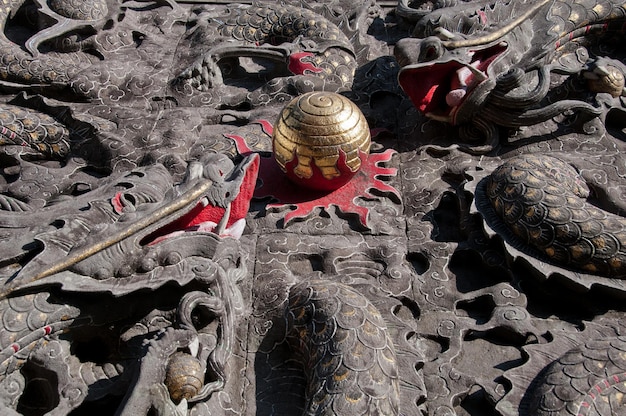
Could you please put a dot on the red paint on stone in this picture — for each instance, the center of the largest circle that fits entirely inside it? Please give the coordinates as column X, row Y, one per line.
column 301, row 202
column 298, row 66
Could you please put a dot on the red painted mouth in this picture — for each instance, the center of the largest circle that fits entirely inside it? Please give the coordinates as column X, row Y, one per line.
column 204, row 217
column 439, row 89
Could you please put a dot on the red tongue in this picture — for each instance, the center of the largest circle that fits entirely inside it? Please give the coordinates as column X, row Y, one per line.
column 239, row 207
column 427, row 87
column 428, row 98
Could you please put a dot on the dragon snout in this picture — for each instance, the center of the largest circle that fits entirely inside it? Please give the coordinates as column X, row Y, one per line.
column 410, row 51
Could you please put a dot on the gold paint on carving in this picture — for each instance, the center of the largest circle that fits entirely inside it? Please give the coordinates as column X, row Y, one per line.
column 301, row 314
column 341, row 377
column 314, row 128
column 509, row 210
column 351, row 399
column 599, row 242
column 303, row 333
column 184, row 376
column 598, row 8
column 577, row 251
column 612, row 82
column 351, row 312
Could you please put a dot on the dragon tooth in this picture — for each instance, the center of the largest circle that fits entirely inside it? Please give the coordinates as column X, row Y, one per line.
column 221, row 226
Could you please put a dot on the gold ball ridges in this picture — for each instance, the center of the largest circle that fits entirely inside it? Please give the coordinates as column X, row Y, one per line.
column 312, row 131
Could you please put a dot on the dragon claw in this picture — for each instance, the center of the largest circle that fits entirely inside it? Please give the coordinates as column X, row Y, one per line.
column 194, row 346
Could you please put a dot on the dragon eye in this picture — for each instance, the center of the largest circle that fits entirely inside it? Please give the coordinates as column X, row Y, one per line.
column 430, row 53
column 431, row 49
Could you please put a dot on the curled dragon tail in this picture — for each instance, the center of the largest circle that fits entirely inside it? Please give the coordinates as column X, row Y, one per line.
column 348, row 356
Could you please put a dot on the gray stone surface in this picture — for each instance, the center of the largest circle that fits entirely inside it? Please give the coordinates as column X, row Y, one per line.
column 402, row 293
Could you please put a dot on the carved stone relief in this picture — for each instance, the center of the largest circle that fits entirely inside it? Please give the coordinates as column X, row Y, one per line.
column 448, row 238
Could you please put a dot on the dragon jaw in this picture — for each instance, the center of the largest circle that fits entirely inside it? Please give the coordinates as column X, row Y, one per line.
column 149, row 230
column 207, row 216
column 443, row 89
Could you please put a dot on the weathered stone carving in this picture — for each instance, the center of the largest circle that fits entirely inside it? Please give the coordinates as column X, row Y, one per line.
column 542, row 200
column 155, row 259
column 585, row 380
column 145, row 234
column 347, row 353
column 312, row 49
column 493, row 65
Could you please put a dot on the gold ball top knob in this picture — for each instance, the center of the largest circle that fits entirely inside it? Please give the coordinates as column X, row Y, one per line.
column 320, row 140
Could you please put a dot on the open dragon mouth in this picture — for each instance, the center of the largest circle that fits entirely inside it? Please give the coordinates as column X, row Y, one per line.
column 227, row 221
column 440, row 88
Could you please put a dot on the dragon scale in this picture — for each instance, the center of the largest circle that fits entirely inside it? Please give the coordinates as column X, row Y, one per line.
column 541, row 199
column 18, row 65
column 312, row 48
column 265, row 23
column 269, row 24
column 345, row 348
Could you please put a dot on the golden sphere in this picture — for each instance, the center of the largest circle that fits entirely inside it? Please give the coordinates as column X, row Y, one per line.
column 320, row 140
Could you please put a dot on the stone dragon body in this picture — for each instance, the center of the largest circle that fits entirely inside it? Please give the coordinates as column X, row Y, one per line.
column 174, row 232
column 303, row 50
column 346, row 351
column 491, row 64
column 500, row 75
column 305, row 42
column 138, row 231
column 543, row 201
column 494, row 66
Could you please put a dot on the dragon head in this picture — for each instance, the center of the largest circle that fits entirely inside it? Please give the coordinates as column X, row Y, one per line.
column 449, row 75
column 447, row 84
column 141, row 225
column 222, row 207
